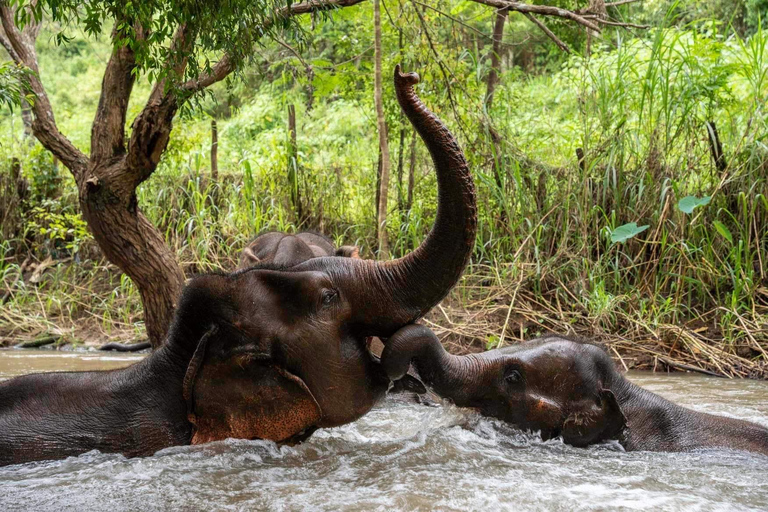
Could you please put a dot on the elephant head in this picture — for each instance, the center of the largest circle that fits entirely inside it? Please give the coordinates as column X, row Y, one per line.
column 288, row 250
column 553, row 385
column 276, row 351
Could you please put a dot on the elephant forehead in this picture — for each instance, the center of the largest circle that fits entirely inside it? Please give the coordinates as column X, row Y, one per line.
column 561, row 351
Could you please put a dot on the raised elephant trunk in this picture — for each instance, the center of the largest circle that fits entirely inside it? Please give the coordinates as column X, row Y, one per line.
column 408, row 287
column 455, row 377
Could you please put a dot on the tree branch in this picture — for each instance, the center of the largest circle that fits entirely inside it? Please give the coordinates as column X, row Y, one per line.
column 152, row 127
column 617, row 23
column 226, row 65
column 108, row 130
column 441, row 65
column 8, row 47
column 44, row 125
column 544, row 10
column 549, row 33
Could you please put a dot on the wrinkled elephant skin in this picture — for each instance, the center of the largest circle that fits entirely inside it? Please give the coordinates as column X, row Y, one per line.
column 266, row 352
column 564, row 388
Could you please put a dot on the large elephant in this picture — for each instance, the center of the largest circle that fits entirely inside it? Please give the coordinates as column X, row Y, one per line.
column 564, row 387
column 289, row 250
column 266, row 352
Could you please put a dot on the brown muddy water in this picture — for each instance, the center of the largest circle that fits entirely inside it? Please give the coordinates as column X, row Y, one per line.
column 402, row 456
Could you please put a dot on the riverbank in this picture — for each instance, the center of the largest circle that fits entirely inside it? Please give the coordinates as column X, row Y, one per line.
column 91, row 303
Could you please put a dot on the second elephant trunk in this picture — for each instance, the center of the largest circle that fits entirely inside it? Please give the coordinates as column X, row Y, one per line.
column 453, row 377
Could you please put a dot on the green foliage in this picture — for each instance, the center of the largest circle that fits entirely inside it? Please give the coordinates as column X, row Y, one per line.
column 690, row 203
column 60, row 229
column 637, row 108
column 12, row 79
column 147, row 27
column 626, row 231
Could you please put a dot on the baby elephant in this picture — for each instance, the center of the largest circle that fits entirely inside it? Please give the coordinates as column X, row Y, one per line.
column 286, row 250
column 568, row 388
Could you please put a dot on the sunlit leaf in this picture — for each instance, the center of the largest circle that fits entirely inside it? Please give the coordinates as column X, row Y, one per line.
column 626, row 231
column 724, row 232
column 690, row 203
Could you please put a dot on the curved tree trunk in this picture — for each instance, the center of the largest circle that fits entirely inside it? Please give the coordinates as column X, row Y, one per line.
column 132, row 243
column 107, row 178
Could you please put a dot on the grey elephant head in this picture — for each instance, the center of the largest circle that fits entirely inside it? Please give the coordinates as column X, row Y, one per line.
column 290, row 343
column 286, row 250
column 556, row 386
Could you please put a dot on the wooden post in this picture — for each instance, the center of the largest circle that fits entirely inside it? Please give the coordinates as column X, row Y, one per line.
column 716, row 147
column 214, row 195
column 411, row 172
column 580, row 157
column 382, row 129
column 293, row 163
column 214, row 152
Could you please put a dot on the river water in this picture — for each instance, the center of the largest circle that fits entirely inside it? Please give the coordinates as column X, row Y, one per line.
column 403, row 456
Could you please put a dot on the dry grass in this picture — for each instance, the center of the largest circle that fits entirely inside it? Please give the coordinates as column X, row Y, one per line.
column 499, row 314
column 484, row 311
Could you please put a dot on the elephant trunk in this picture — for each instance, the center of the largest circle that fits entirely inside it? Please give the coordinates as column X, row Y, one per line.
column 406, row 288
column 450, row 376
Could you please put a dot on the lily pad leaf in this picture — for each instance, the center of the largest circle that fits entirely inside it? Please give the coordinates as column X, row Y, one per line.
column 690, row 203
column 724, row 232
column 623, row 233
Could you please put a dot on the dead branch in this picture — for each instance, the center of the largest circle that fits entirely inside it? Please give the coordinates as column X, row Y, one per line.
column 621, row 2
column 615, row 23
column 549, row 33
column 544, row 10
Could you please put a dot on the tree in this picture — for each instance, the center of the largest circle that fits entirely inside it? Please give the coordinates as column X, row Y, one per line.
column 182, row 48
column 169, row 42
column 382, row 128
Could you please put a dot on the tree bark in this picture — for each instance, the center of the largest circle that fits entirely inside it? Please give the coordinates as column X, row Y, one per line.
column 378, row 193
column 382, row 128
column 132, row 243
column 493, row 75
column 214, row 152
column 716, row 147
column 293, row 164
column 411, row 174
column 401, row 145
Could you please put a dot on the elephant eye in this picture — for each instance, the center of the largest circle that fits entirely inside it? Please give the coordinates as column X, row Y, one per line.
column 513, row 376
column 329, row 296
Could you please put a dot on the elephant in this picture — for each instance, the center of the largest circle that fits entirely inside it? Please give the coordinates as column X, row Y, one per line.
column 564, row 387
column 289, row 250
column 266, row 352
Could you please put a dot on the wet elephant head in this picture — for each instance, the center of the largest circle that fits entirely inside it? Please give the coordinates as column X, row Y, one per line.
column 286, row 250
column 552, row 385
column 278, row 351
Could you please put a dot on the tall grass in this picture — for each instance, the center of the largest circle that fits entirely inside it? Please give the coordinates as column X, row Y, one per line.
column 693, row 286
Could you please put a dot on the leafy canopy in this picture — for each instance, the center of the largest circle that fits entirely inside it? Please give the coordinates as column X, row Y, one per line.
column 148, row 27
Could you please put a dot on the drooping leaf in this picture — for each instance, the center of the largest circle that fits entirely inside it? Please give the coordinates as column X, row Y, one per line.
column 690, row 203
column 626, row 231
column 724, row 232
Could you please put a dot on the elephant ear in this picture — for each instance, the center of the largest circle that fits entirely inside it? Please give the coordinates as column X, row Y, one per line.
column 593, row 421
column 248, row 258
column 245, row 396
column 348, row 251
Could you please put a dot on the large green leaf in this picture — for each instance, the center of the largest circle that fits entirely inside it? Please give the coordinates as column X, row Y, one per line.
column 690, row 203
column 720, row 227
column 623, row 233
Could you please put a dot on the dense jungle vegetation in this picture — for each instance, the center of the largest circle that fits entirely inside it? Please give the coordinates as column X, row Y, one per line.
column 622, row 187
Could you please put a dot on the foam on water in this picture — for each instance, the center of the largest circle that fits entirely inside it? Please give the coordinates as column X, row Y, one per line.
column 405, row 456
